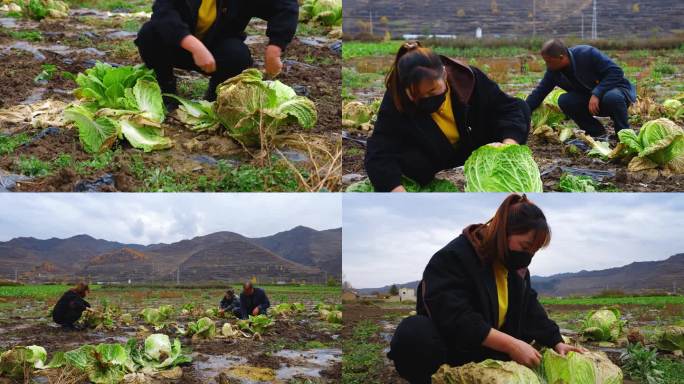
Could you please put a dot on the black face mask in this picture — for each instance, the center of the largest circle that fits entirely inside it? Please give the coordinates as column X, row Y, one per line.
column 431, row 104
column 517, row 259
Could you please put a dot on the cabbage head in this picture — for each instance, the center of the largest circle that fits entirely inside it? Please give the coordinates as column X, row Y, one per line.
column 602, row 325
column 488, row 371
column 579, row 368
column 671, row 338
column 251, row 108
column 660, row 143
column 506, row 168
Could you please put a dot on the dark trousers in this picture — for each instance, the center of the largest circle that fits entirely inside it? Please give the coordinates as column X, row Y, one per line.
column 231, row 54
column 613, row 104
column 418, row 350
column 67, row 318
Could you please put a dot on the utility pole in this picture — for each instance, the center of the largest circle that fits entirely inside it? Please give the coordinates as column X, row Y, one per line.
column 582, row 13
column 534, row 18
column 16, row 275
column 370, row 21
column 178, row 276
column 594, row 23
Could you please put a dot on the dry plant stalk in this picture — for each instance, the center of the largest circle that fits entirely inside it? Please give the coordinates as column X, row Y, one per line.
column 326, row 163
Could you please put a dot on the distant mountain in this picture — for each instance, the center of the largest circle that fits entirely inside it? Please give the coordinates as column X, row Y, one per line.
column 519, row 18
column 638, row 277
column 224, row 256
column 321, row 249
column 632, row 278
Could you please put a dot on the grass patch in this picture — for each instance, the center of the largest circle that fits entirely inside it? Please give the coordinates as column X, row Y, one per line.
column 277, row 177
column 353, row 49
column 9, row 144
column 26, row 35
column 36, row 291
column 362, row 357
column 628, row 300
column 353, row 80
column 193, row 89
column 113, row 5
column 32, row 166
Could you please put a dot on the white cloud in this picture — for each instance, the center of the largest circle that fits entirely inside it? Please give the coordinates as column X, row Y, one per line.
column 390, row 239
column 160, row 217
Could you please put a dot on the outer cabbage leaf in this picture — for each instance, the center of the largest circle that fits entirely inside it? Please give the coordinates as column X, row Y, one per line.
column 488, row 371
column 246, row 103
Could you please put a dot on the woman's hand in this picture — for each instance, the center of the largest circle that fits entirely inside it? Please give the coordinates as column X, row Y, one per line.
column 399, row 188
column 563, row 349
column 504, row 142
column 523, row 353
column 200, row 54
column 272, row 60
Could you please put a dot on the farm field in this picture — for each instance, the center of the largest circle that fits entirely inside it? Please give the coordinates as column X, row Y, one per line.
column 517, row 68
column 299, row 346
column 369, row 326
column 40, row 151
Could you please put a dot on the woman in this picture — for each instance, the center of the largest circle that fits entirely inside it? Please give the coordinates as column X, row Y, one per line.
column 70, row 306
column 208, row 36
column 475, row 300
column 435, row 113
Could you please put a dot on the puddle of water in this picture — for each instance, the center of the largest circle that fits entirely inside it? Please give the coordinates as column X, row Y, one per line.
column 208, row 367
column 306, row 363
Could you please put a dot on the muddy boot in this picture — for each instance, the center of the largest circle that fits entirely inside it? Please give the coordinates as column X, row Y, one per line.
column 169, row 86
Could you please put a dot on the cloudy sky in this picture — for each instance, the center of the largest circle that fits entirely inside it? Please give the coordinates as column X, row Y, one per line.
column 390, row 238
column 163, row 217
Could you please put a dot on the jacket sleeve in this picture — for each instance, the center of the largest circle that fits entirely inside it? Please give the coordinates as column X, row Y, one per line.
column 537, row 96
column 510, row 116
column 282, row 17
column 172, row 28
column 79, row 304
column 383, row 150
column 537, row 325
column 265, row 304
column 447, row 297
column 610, row 73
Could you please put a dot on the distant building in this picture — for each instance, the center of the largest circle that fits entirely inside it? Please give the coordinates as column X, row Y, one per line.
column 407, row 294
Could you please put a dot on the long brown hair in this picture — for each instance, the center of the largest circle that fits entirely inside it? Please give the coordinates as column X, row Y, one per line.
column 412, row 64
column 80, row 289
column 516, row 215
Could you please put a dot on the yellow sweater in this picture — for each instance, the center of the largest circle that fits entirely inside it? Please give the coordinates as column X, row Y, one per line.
column 444, row 117
column 205, row 17
column 501, row 278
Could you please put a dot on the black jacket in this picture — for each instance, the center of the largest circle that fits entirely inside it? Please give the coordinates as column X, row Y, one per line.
column 229, row 305
column 69, row 308
column 178, row 18
column 257, row 299
column 483, row 114
column 459, row 294
column 594, row 73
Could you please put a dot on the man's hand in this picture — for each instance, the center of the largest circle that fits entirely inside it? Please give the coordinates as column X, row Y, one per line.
column 594, row 105
column 563, row 348
column 272, row 60
column 255, row 311
column 399, row 188
column 200, row 54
